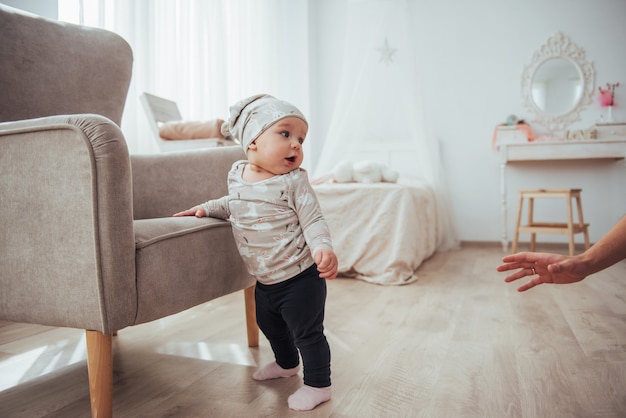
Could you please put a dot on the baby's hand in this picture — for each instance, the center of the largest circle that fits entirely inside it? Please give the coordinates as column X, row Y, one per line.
column 327, row 264
column 197, row 211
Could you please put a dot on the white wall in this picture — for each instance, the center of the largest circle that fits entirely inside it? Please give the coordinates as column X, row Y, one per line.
column 472, row 57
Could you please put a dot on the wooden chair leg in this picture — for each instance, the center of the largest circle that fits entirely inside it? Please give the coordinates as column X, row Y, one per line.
column 100, row 367
column 531, row 220
column 251, row 325
column 518, row 221
column 570, row 225
column 581, row 220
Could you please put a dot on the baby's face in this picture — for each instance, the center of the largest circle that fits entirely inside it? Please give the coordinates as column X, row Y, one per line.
column 279, row 149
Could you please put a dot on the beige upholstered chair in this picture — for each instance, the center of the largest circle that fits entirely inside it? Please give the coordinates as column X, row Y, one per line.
column 86, row 237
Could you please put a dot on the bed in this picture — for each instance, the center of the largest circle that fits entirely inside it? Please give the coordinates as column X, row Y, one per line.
column 382, row 231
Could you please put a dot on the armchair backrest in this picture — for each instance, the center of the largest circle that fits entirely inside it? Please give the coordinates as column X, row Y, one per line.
column 55, row 68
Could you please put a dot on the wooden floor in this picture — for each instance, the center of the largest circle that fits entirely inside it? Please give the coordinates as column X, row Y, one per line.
column 457, row 343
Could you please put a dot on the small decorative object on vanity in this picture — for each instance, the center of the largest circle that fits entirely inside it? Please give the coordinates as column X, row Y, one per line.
column 581, row 134
column 512, row 131
column 607, row 99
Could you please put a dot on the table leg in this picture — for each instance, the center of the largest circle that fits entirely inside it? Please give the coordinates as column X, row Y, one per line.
column 505, row 238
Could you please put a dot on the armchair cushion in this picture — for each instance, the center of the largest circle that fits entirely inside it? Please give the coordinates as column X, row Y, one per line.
column 199, row 253
column 166, row 183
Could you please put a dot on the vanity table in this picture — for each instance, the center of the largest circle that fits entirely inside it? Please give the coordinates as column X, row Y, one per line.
column 609, row 150
column 556, row 86
column 564, row 150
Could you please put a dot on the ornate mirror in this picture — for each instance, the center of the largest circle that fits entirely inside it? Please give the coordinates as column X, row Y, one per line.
column 558, row 83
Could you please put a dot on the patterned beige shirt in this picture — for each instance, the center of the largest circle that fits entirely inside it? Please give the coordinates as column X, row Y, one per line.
column 277, row 223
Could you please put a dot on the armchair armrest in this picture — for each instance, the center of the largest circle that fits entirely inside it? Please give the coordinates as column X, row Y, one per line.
column 65, row 212
column 166, row 183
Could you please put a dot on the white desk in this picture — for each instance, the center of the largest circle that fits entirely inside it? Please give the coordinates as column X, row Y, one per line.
column 608, row 150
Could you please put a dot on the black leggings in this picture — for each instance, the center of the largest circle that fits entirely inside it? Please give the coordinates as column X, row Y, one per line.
column 291, row 315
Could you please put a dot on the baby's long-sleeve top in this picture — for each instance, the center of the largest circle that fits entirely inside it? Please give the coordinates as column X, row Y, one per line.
column 277, row 223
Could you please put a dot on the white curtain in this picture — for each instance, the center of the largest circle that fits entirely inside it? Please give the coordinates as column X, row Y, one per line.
column 204, row 54
column 378, row 103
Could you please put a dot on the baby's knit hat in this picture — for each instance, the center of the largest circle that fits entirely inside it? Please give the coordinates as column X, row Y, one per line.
column 250, row 117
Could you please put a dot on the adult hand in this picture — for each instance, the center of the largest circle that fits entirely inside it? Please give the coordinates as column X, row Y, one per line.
column 543, row 268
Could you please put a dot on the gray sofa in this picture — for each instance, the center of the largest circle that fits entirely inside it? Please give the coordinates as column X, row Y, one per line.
column 87, row 239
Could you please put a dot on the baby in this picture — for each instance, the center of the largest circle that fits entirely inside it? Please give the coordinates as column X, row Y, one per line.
column 283, row 239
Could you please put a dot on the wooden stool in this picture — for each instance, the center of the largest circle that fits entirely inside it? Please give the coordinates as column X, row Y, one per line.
column 570, row 228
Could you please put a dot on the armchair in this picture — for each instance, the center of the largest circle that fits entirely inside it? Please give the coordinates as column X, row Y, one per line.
column 87, row 239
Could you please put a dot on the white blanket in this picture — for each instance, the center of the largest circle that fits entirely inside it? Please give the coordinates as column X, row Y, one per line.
column 381, row 232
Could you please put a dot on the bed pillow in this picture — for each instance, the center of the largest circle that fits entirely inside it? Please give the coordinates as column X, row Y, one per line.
column 178, row 130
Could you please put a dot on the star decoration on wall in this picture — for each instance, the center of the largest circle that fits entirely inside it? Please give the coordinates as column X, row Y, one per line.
column 386, row 53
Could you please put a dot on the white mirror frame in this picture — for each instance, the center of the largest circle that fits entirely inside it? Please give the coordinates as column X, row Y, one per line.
column 558, row 46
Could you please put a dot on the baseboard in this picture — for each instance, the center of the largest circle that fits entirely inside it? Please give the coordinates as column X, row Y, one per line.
column 525, row 246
